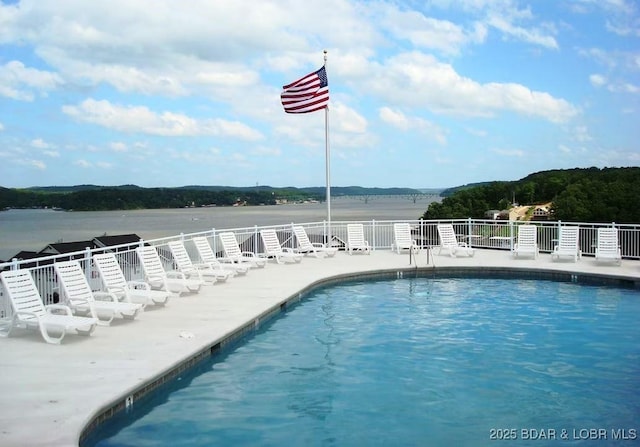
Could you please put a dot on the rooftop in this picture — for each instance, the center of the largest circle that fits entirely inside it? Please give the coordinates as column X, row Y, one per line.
column 51, row 393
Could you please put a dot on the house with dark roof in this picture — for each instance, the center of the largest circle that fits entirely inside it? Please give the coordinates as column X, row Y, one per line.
column 60, row 248
column 119, row 239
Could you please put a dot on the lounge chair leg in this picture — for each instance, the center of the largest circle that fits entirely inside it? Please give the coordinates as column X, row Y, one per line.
column 50, row 339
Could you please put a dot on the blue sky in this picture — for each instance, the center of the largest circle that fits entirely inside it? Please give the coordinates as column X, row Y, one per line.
column 422, row 93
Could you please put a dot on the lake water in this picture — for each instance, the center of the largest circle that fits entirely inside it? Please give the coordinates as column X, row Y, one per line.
column 33, row 229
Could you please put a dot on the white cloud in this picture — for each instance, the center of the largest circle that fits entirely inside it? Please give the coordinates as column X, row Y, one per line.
column 400, row 121
column 581, row 133
column 39, row 143
column 118, row 146
column 419, row 80
column 427, row 32
column 533, row 35
column 83, row 164
column 20, row 82
column 597, row 80
column 52, row 154
column 509, row 152
column 143, row 120
column 565, row 149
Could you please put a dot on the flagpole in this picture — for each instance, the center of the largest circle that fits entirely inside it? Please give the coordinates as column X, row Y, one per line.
column 327, row 164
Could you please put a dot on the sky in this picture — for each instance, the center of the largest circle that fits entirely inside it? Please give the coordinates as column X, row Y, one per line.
column 423, row 93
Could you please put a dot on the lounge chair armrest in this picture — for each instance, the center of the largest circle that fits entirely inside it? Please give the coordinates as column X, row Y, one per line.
column 51, row 308
column 105, row 296
column 288, row 250
column 202, row 266
column 248, row 254
column 175, row 274
column 117, row 290
column 139, row 285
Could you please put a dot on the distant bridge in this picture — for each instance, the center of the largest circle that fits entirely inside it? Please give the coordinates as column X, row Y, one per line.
column 366, row 198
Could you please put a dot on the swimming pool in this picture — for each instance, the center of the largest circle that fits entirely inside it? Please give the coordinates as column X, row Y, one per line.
column 449, row 361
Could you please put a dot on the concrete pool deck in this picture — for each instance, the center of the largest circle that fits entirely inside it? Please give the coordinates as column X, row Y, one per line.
column 51, row 393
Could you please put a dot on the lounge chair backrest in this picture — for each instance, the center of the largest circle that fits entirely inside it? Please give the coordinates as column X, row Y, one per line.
column 230, row 245
column 402, row 235
column 23, row 293
column 608, row 240
column 151, row 262
column 527, row 236
column 74, row 283
column 355, row 235
column 204, row 249
column 568, row 240
column 180, row 256
column 447, row 235
column 303, row 239
column 110, row 271
column 271, row 241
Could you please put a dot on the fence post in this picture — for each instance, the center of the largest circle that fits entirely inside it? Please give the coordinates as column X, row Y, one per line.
column 255, row 239
column 469, row 231
column 511, row 235
column 373, row 230
column 86, row 268
column 213, row 240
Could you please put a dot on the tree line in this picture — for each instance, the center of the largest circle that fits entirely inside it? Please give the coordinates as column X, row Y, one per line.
column 129, row 198
column 582, row 195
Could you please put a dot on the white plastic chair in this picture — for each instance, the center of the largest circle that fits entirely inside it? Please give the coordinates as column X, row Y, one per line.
column 159, row 278
column 568, row 244
column 608, row 247
column 115, row 282
column 234, row 254
column 527, row 242
column 356, row 240
column 29, row 311
column 305, row 246
column 402, row 237
column 205, row 272
column 207, row 256
column 449, row 242
column 272, row 248
column 77, row 292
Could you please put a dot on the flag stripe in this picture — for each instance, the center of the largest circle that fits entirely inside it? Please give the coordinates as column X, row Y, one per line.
column 307, row 94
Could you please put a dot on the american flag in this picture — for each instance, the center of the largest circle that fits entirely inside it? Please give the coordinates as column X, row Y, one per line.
column 307, row 94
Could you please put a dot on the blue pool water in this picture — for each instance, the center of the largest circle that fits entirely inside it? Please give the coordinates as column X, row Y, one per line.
column 414, row 362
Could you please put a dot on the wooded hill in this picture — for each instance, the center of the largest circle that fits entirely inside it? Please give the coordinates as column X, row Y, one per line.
column 579, row 195
column 127, row 197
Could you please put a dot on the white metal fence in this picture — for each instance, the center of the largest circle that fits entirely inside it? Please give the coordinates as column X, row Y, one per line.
column 487, row 234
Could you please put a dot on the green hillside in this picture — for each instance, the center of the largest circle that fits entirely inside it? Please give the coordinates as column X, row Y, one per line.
column 584, row 195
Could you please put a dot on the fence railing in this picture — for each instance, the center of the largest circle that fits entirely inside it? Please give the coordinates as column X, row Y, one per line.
column 486, row 234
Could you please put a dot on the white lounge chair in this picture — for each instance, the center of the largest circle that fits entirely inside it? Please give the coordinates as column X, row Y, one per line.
column 115, row 282
column 449, row 242
column 306, row 247
column 234, row 254
column 159, row 278
column 527, row 242
column 272, row 248
column 568, row 244
column 207, row 256
column 402, row 237
column 204, row 272
column 608, row 248
column 355, row 239
column 29, row 312
column 77, row 292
